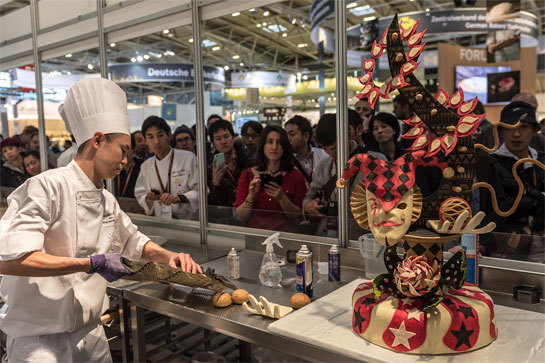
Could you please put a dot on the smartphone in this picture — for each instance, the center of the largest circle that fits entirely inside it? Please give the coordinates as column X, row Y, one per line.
column 155, row 191
column 220, row 158
column 268, row 178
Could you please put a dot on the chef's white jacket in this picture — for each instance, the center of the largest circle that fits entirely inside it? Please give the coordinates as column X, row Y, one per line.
column 62, row 213
column 184, row 179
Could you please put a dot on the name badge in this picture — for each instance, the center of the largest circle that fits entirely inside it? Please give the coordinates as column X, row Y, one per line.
column 108, row 220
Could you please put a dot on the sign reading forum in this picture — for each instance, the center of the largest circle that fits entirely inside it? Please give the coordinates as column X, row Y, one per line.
column 163, row 72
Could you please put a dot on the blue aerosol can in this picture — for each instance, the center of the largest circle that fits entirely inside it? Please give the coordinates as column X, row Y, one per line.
column 303, row 263
column 334, row 263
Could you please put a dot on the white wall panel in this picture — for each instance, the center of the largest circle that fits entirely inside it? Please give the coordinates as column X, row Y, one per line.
column 15, row 24
column 53, row 12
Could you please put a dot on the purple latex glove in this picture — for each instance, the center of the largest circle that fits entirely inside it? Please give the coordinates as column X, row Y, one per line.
column 108, row 266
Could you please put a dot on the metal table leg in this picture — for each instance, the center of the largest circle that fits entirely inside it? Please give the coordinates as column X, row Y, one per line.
column 138, row 334
column 124, row 324
column 245, row 351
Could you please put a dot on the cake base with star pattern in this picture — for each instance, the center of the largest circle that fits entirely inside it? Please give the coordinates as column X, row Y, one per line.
column 462, row 322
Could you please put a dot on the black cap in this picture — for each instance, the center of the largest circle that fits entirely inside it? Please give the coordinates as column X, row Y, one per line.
column 518, row 110
column 185, row 130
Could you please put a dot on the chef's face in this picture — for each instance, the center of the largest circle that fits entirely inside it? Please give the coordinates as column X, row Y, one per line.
column 158, row 141
column 389, row 228
column 111, row 155
column 11, row 152
column 223, row 141
column 32, row 164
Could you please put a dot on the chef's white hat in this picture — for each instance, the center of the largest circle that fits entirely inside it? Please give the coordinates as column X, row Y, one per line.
column 96, row 104
column 63, row 116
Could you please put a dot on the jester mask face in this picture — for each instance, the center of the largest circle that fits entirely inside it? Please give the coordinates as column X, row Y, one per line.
column 390, row 226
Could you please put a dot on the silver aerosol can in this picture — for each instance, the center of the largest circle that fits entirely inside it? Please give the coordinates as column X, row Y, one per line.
column 303, row 264
column 233, row 262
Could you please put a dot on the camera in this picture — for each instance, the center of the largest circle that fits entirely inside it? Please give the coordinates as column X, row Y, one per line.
column 332, row 216
column 268, row 178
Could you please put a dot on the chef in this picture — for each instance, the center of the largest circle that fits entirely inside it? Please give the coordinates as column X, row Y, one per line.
column 62, row 237
column 168, row 183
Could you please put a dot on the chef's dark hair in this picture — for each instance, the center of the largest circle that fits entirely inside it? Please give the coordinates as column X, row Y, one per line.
column 108, row 137
column 156, row 121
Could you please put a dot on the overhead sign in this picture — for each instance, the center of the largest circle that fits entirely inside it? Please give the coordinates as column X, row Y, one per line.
column 469, row 21
column 54, row 80
column 320, row 10
column 263, row 79
column 163, row 72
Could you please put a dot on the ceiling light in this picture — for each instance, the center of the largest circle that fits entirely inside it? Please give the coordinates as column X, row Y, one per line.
column 69, row 55
column 133, row 59
column 302, row 45
column 190, row 40
column 259, row 25
column 216, row 48
column 236, row 56
column 351, row 5
column 266, row 13
column 146, row 57
column 305, row 77
column 264, row 23
column 241, row 64
column 235, row 14
column 112, row 45
column 252, row 10
column 226, row 68
column 293, row 21
column 166, row 31
column 298, row 74
column 159, row 55
column 284, row 35
column 171, row 35
column 90, row 66
column 140, row 58
column 427, row 10
column 369, row 18
column 69, row 73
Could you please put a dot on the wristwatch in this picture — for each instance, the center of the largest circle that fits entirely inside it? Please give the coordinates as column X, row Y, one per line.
column 248, row 203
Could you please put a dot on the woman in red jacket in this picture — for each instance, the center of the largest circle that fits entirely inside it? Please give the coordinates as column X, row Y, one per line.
column 270, row 195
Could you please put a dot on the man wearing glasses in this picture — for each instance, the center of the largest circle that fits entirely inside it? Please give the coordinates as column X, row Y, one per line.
column 184, row 139
column 251, row 131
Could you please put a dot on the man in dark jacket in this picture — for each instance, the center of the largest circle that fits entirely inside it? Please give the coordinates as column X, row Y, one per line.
column 519, row 235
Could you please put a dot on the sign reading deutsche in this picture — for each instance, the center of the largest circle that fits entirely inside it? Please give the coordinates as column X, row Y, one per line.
column 163, row 72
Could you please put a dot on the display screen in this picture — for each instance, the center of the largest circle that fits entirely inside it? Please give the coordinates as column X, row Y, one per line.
column 239, row 121
column 474, row 81
column 502, row 87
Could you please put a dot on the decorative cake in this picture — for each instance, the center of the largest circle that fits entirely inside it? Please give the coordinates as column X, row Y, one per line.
column 422, row 305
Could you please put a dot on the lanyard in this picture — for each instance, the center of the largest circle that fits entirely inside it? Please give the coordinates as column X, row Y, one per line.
column 165, row 189
column 129, row 173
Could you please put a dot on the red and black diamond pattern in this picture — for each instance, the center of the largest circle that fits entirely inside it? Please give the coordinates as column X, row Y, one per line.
column 388, row 180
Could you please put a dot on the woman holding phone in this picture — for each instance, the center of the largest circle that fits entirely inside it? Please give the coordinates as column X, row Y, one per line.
column 270, row 195
column 224, row 171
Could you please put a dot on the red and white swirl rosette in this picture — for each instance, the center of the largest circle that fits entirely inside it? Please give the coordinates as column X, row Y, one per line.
column 416, row 276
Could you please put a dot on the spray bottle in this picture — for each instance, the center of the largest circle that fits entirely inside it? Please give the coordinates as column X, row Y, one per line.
column 269, row 273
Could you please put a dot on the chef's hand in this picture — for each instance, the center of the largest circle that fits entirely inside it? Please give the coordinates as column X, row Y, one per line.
column 168, row 199
column 184, row 262
column 109, row 266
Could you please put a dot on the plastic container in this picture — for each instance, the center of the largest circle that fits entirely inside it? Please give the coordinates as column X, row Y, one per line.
column 270, row 274
column 373, row 256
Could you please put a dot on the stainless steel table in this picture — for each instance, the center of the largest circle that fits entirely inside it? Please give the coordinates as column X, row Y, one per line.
column 195, row 306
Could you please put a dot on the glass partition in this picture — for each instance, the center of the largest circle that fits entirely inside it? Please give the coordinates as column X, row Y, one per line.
column 265, row 163
column 156, row 72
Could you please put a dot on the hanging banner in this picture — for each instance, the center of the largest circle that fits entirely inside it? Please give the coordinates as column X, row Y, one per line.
column 263, row 79
column 54, row 80
column 168, row 111
column 468, row 21
column 163, row 72
column 320, row 10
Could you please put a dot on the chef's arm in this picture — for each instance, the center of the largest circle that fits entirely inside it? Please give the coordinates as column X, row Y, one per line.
column 40, row 264
column 153, row 252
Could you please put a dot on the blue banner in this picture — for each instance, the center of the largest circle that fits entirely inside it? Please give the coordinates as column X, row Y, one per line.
column 169, row 111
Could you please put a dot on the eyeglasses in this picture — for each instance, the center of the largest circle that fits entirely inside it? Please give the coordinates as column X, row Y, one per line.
column 183, row 140
column 251, row 136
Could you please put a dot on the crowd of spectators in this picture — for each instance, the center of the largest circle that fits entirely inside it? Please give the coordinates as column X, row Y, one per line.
column 283, row 178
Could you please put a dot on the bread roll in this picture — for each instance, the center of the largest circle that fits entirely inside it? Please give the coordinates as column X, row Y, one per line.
column 240, row 296
column 298, row 300
column 221, row 300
